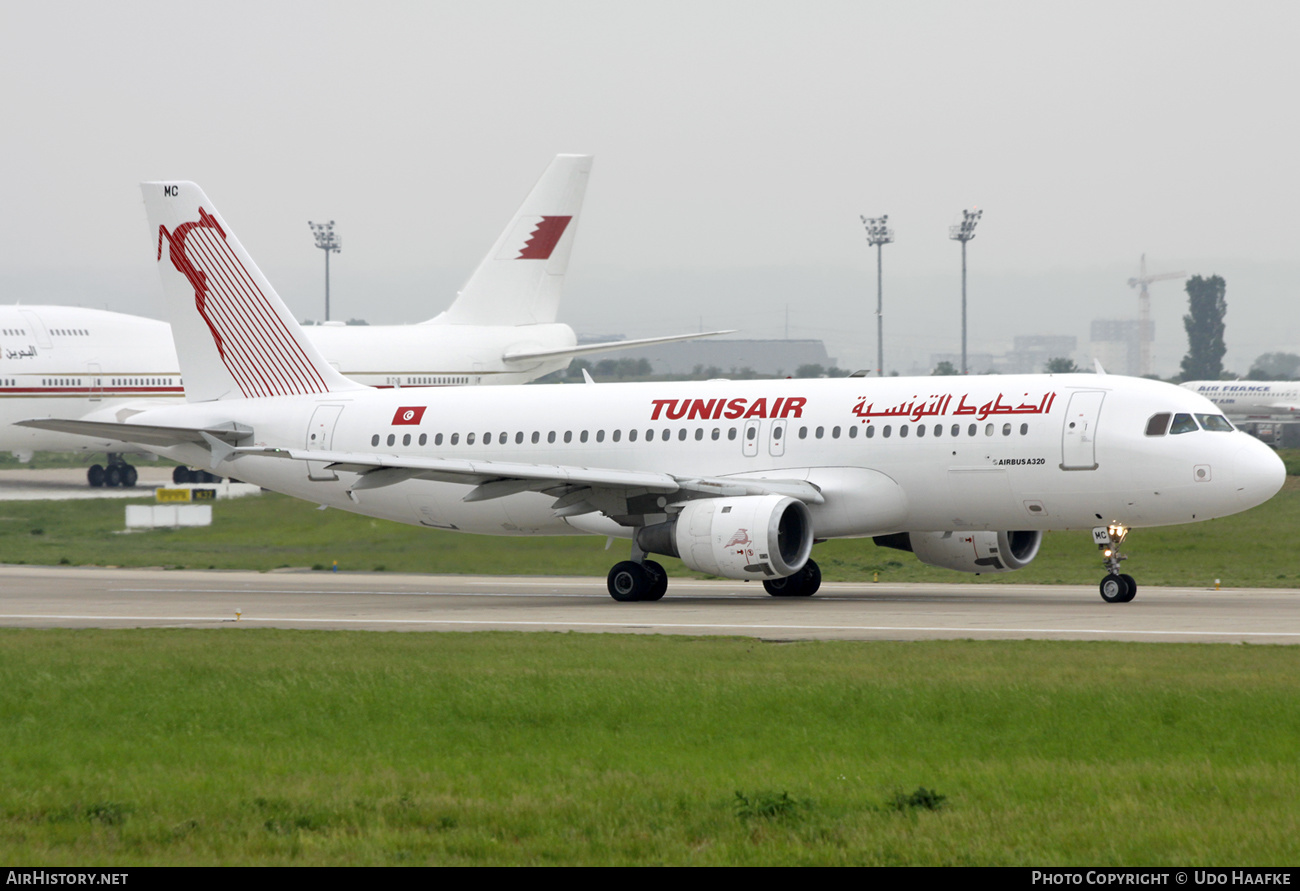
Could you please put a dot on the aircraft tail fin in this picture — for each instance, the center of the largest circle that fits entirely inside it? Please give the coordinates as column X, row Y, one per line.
column 520, row 280
column 235, row 338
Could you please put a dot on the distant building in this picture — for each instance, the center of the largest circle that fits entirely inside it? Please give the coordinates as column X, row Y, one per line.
column 771, row 357
column 1031, row 352
column 1117, row 344
column 976, row 363
column 1029, row 355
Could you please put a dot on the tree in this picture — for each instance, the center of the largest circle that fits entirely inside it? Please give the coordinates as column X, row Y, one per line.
column 1275, row 367
column 1061, row 365
column 1204, row 324
column 944, row 368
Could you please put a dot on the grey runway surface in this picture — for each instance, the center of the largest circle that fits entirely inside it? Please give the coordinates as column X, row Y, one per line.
column 71, row 597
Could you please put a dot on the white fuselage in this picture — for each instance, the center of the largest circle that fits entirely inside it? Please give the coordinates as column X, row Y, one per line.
column 1004, row 453
column 1252, row 400
column 69, row 362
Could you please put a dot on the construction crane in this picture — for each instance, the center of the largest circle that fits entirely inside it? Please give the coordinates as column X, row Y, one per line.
column 1144, row 312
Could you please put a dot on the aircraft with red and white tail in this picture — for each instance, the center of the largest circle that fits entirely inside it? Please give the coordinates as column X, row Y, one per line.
column 737, row 478
column 60, row 361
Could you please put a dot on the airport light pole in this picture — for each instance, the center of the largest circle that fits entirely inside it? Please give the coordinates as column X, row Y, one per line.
column 328, row 241
column 878, row 235
column 964, row 232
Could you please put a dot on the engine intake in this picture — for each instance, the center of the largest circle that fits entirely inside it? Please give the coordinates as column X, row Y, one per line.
column 968, row 551
column 751, row 536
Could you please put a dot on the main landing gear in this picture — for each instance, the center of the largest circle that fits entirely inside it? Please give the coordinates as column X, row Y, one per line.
column 803, row 583
column 183, row 475
column 646, row 580
column 631, row 580
column 1116, row 587
column 117, row 473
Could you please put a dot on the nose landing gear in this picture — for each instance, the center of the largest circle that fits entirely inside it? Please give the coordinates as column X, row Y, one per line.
column 1116, row 587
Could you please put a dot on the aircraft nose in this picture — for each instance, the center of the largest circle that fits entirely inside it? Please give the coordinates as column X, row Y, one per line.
column 1259, row 473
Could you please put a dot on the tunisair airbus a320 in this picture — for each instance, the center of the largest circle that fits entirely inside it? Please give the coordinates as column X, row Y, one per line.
column 737, row 478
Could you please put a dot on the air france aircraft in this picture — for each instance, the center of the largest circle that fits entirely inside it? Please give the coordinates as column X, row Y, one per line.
column 1252, row 400
column 737, row 478
column 501, row 329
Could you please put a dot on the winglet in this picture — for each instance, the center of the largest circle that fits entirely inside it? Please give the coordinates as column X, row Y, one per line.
column 234, row 336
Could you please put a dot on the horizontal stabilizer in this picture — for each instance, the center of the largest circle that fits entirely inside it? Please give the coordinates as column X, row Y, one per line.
column 142, row 434
column 607, row 347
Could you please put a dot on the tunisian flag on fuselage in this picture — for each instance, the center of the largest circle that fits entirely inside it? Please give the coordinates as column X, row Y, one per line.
column 408, row 414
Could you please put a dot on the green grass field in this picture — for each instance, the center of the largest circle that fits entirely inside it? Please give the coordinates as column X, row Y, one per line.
column 1251, row 549
column 248, row 746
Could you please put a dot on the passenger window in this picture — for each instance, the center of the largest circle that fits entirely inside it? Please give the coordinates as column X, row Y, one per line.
column 469, row 439
column 391, row 439
column 681, row 435
column 716, row 434
column 938, row 430
column 550, row 437
column 582, row 437
column 803, row 432
column 536, row 437
column 568, row 436
column 751, row 433
column 699, row 433
column 1183, row 423
column 406, row 440
column 437, row 439
column 920, row 430
column 820, row 432
column 424, row 438
column 988, row 429
column 871, row 431
column 1158, row 424
column 600, row 435
column 731, row 433
column 970, row 431
column 519, row 438
column 902, row 431
column 617, row 435
column 455, row 438
column 885, row 433
column 374, row 440
column 1216, row 423
column 1024, row 428
column 631, row 435
column 1006, row 429
column 835, row 433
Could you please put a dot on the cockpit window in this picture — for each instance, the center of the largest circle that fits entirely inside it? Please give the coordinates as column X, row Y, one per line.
column 1217, row 423
column 1158, row 424
column 1183, row 423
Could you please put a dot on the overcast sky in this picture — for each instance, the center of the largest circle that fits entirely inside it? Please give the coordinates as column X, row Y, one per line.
column 736, row 144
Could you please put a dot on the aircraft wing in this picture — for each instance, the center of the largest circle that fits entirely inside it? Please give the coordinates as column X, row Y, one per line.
column 608, row 346
column 495, row 479
column 142, row 434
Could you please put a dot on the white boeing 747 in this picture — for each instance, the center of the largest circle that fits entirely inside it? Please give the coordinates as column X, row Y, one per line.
column 59, row 361
column 737, row 478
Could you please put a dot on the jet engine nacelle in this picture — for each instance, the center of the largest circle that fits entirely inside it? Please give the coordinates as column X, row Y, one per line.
column 969, row 551
column 751, row 536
